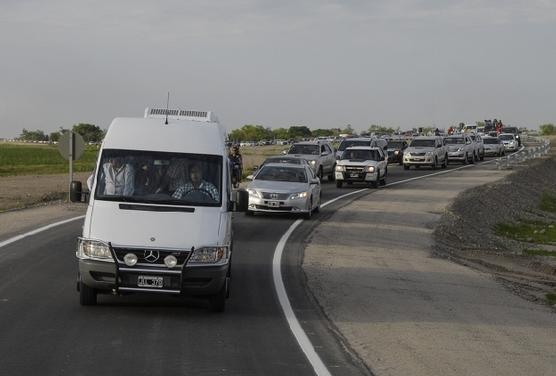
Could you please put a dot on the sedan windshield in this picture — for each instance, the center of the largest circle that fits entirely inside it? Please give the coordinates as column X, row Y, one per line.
column 278, row 173
column 506, row 137
column 292, row 160
column 304, row 149
column 422, row 143
column 159, row 178
column 490, row 141
column 395, row 145
column 453, row 141
column 361, row 155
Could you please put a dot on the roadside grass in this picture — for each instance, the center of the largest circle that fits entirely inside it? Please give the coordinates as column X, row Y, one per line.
column 539, row 252
column 528, row 231
column 548, row 202
column 551, row 298
column 18, row 159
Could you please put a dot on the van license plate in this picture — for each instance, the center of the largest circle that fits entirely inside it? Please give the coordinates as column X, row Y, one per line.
column 150, row 281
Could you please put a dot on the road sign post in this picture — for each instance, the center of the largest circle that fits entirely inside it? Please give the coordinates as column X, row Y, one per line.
column 71, row 146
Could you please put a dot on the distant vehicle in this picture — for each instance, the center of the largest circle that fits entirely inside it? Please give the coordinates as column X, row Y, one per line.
column 514, row 131
column 470, row 128
column 460, row 148
column 493, row 146
column 360, row 141
column 395, row 150
column 509, row 141
column 426, row 151
column 362, row 164
column 319, row 155
column 479, row 146
column 284, row 188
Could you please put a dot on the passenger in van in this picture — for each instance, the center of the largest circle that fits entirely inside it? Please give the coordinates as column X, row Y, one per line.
column 118, row 177
column 197, row 183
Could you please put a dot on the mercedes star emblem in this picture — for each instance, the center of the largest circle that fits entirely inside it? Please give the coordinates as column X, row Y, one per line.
column 151, row 256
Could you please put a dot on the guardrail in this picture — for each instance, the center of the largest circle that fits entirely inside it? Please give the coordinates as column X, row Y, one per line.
column 515, row 159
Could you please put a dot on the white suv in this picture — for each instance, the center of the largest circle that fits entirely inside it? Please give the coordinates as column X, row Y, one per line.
column 460, row 148
column 426, row 151
column 363, row 164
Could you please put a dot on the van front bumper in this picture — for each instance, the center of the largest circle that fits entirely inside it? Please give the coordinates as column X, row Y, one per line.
column 189, row 280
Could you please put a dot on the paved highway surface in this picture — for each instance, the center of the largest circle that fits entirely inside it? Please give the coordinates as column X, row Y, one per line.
column 44, row 330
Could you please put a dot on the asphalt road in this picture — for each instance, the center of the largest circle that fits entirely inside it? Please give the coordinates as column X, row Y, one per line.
column 43, row 329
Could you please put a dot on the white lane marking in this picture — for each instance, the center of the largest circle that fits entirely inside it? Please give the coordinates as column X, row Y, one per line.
column 36, row 231
column 297, row 331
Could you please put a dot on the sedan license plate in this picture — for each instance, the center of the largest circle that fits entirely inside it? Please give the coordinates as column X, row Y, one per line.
column 354, row 175
column 150, row 281
column 274, row 204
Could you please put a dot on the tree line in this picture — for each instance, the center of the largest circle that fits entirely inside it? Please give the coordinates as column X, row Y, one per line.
column 90, row 133
column 253, row 132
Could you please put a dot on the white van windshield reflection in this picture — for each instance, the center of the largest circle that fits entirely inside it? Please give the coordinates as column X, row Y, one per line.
column 159, row 177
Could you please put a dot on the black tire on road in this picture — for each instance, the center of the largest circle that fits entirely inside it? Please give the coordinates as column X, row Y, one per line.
column 466, row 159
column 331, row 176
column 406, row 167
column 339, row 183
column 320, row 174
column 217, row 302
column 445, row 163
column 375, row 183
column 87, row 295
column 249, row 213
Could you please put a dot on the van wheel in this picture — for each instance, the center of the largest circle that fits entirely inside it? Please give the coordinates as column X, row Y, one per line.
column 445, row 163
column 320, row 174
column 87, row 295
column 466, row 159
column 339, row 184
column 249, row 213
column 406, row 167
column 217, row 302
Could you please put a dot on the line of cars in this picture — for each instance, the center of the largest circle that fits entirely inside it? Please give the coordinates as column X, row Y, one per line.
column 291, row 183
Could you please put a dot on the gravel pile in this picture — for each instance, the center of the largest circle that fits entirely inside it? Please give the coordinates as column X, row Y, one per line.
column 466, row 233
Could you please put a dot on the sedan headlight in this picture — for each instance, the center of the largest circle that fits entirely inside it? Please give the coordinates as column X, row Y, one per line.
column 209, row 255
column 313, row 163
column 299, row 195
column 89, row 249
column 371, row 169
column 340, row 168
column 253, row 192
column 396, row 152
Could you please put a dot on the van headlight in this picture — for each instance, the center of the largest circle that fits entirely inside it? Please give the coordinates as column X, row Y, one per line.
column 89, row 249
column 299, row 195
column 209, row 255
column 371, row 169
column 312, row 163
column 340, row 168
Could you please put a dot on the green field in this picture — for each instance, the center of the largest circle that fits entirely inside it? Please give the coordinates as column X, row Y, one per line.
column 22, row 159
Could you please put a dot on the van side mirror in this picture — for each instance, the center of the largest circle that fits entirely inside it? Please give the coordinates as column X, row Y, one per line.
column 76, row 193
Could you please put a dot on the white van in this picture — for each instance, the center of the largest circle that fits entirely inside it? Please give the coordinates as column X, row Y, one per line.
column 159, row 218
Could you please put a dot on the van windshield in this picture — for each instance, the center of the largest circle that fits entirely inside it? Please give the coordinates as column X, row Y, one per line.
column 159, row 178
column 347, row 143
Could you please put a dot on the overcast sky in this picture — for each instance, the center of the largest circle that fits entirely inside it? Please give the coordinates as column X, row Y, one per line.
column 278, row 62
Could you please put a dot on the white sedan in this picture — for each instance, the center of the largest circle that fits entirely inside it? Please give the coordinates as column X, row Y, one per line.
column 284, row 188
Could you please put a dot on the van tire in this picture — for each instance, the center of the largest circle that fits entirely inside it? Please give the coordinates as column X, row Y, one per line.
column 406, row 167
column 339, row 184
column 217, row 302
column 249, row 213
column 332, row 176
column 87, row 295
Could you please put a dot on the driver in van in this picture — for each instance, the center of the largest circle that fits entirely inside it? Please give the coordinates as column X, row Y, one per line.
column 197, row 183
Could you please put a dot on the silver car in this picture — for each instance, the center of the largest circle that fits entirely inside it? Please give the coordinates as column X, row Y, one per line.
column 460, row 148
column 319, row 155
column 493, row 146
column 284, row 188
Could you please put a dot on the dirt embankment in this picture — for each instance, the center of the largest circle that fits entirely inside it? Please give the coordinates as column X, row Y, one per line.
column 466, row 232
column 31, row 190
